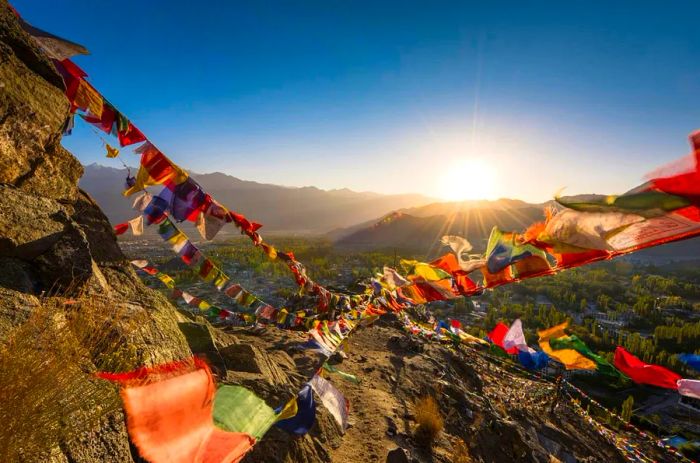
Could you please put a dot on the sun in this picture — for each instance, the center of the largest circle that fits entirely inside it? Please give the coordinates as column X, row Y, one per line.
column 468, row 179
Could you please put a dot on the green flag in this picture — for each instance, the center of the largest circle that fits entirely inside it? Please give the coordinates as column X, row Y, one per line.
column 237, row 409
column 573, row 342
column 644, row 203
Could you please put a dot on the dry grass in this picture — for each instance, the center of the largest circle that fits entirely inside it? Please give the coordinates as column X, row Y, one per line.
column 429, row 419
column 48, row 393
column 460, row 453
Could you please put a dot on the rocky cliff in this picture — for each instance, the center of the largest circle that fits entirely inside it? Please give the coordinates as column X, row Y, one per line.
column 54, row 240
column 57, row 250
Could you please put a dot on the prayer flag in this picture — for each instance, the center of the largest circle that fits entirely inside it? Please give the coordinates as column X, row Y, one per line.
column 535, row 360
column 156, row 169
column 571, row 359
column 515, row 338
column 644, row 373
column 573, row 342
column 302, row 421
column 169, row 415
column 503, row 250
column 689, row 388
column 237, row 409
column 111, row 152
column 498, row 334
column 692, row 360
column 136, row 225
column 332, row 399
column 121, row 228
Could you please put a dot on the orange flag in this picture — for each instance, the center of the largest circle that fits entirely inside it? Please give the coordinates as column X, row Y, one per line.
column 169, row 415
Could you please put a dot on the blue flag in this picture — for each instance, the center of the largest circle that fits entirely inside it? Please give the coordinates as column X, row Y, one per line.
column 302, row 422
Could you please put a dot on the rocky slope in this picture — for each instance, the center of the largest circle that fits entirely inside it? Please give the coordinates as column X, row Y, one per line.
column 55, row 240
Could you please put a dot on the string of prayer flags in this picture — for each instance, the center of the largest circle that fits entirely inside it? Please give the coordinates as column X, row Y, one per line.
column 626, row 448
column 689, row 388
column 332, row 399
column 642, row 434
column 303, row 419
column 692, row 360
column 573, row 342
column 236, row 409
column 644, row 373
column 262, row 313
column 570, row 358
column 187, row 201
column 170, row 415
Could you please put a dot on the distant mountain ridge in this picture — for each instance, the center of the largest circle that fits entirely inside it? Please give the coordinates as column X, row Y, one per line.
column 307, row 210
column 419, row 229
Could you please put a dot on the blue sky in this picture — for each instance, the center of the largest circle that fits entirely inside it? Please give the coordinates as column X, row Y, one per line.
column 492, row 99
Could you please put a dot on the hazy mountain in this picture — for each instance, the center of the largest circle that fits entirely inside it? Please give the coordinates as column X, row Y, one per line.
column 278, row 208
column 419, row 229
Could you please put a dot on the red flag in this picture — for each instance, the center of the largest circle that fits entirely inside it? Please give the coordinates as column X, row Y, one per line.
column 449, row 263
column 130, row 135
column 121, row 228
column 686, row 181
column 644, row 373
column 496, row 336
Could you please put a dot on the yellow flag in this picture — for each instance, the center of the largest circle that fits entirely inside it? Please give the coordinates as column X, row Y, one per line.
column 290, row 410
column 87, row 98
column 111, row 151
column 571, row 359
column 469, row 339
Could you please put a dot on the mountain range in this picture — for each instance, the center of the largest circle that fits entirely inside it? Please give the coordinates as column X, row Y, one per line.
column 305, row 210
column 357, row 220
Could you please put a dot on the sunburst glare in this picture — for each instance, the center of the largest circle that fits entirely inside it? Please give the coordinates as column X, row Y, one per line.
column 468, row 179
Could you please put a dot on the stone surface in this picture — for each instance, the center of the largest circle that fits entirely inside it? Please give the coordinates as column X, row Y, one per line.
column 398, row 455
column 32, row 113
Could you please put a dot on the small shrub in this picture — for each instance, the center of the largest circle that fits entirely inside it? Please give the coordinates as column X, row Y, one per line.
column 48, row 393
column 460, row 453
column 429, row 419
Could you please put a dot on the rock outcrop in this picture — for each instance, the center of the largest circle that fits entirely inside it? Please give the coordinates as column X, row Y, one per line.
column 55, row 240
